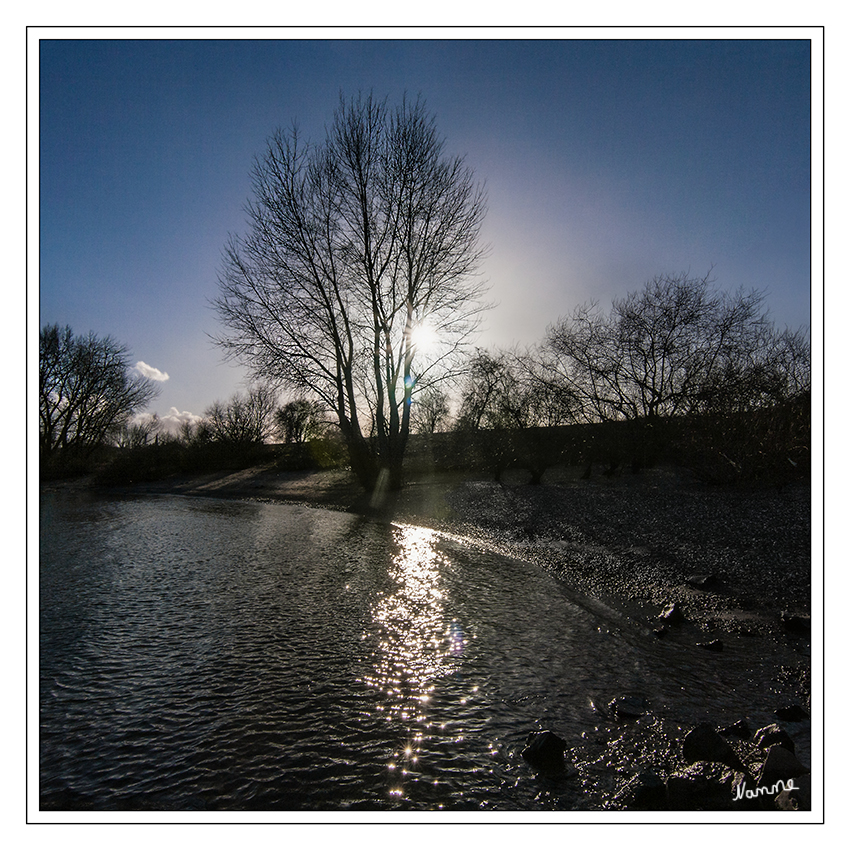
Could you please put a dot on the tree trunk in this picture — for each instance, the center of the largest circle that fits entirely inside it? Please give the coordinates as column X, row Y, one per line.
column 395, row 471
column 363, row 463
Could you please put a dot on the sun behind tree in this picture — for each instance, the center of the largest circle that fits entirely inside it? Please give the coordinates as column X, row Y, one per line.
column 353, row 245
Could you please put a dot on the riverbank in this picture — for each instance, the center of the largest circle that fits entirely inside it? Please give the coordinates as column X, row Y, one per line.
column 732, row 559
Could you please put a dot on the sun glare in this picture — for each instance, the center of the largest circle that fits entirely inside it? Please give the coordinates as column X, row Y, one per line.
column 424, row 338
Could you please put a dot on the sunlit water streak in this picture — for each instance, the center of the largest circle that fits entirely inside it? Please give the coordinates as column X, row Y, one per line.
column 204, row 654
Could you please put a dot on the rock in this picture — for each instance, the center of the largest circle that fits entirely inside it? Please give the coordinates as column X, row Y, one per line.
column 545, row 751
column 767, row 736
column 792, row 713
column 798, row 799
column 627, row 708
column 703, row 786
column 739, row 729
column 660, row 632
column 704, row 744
column 713, row 645
column 799, row 624
column 780, row 764
column 672, row 614
column 704, row 582
column 644, row 791
column 682, row 791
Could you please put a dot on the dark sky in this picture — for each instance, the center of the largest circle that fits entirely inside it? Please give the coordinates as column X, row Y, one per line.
column 606, row 163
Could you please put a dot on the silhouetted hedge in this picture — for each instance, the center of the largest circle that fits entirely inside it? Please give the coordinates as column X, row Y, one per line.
column 158, row 461
column 164, row 460
column 313, row 454
column 69, row 464
column 769, row 446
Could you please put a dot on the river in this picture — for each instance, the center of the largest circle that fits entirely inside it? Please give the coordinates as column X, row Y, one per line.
column 203, row 654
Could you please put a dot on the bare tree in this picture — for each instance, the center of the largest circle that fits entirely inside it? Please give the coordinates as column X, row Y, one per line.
column 193, row 432
column 353, row 244
column 429, row 410
column 138, row 431
column 243, row 420
column 675, row 347
column 300, row 420
column 534, row 392
column 87, row 391
column 484, row 391
column 512, row 389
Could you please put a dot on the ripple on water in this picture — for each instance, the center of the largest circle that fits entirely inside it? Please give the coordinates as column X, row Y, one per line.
column 198, row 654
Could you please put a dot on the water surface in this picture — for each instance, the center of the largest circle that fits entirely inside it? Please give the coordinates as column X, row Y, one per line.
column 223, row 655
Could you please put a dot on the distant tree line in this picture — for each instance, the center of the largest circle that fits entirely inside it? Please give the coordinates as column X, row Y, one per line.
column 675, row 353
column 677, row 370
column 676, row 348
column 91, row 400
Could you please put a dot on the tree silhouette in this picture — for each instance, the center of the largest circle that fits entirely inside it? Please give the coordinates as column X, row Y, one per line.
column 243, row 420
column 87, row 392
column 300, row 420
column 676, row 347
column 352, row 245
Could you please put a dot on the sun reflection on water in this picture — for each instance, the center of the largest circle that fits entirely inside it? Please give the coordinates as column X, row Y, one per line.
column 418, row 643
column 416, row 646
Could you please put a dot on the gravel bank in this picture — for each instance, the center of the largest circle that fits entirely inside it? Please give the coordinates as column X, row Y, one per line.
column 732, row 558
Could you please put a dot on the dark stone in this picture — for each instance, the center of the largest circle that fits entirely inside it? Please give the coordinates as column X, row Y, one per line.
column 701, row 786
column 545, row 751
column 704, row 744
column 627, row 708
column 780, row 764
column 704, row 582
column 644, row 791
column 713, row 645
column 797, row 799
column 660, row 632
column 739, row 729
column 682, row 791
column 792, row 713
column 672, row 614
column 799, row 624
column 767, row 736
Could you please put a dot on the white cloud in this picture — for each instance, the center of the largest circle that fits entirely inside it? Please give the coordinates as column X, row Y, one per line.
column 150, row 372
column 141, row 419
column 174, row 420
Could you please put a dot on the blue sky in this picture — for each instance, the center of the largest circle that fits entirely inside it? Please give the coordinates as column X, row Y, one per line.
column 606, row 163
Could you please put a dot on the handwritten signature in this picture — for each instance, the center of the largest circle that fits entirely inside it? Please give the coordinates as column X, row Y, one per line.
column 742, row 791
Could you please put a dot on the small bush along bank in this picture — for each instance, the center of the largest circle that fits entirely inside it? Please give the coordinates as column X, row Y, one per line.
column 163, row 460
column 769, row 446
